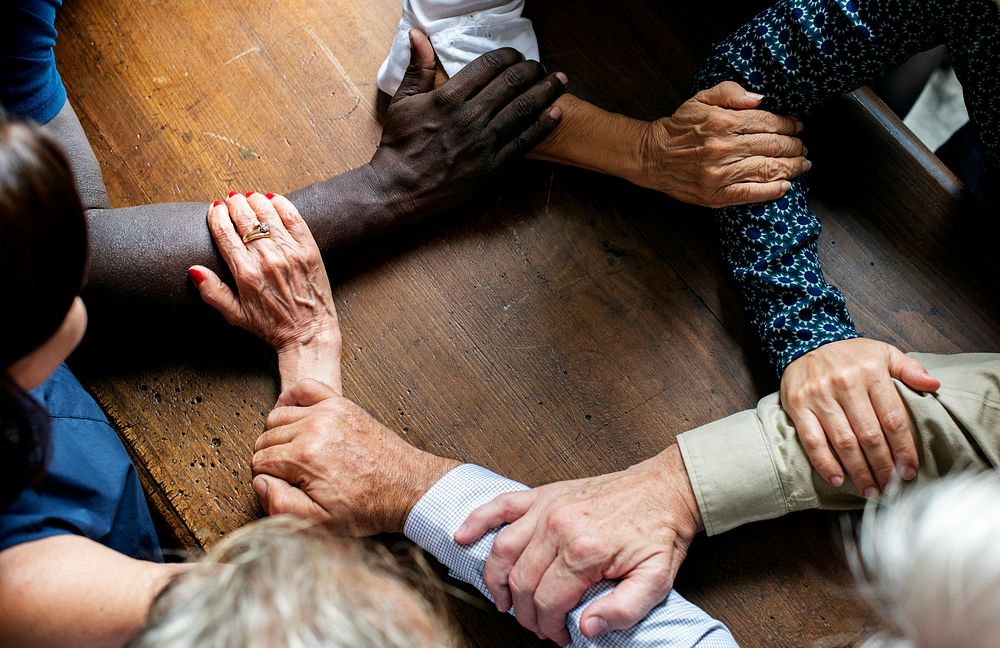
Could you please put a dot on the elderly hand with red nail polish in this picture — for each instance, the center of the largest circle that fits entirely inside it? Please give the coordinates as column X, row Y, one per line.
column 282, row 291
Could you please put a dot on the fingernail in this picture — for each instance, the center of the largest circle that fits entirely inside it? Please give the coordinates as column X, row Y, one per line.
column 216, row 203
column 786, row 185
column 555, row 112
column 871, row 492
column 806, row 166
column 260, row 487
column 269, row 196
column 196, row 275
column 232, row 193
column 799, row 126
column 595, row 626
column 837, row 481
column 754, row 96
column 909, row 472
column 250, row 193
column 563, row 78
column 805, row 151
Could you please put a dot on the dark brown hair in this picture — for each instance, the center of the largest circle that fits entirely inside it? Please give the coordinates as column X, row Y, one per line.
column 43, row 258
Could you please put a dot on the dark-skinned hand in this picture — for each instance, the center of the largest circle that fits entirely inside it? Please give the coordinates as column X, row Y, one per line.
column 442, row 145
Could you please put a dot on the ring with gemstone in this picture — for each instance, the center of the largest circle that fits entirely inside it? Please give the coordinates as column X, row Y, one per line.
column 259, row 232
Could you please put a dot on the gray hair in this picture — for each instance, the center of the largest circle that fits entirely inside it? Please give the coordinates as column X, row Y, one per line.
column 929, row 562
column 285, row 582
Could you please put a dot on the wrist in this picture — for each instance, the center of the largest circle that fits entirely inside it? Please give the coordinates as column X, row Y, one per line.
column 596, row 139
column 417, row 477
column 671, row 476
column 316, row 358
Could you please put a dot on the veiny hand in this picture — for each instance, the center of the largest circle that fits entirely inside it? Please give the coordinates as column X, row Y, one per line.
column 717, row 150
column 635, row 525
column 441, row 145
column 323, row 456
column 283, row 293
column 841, row 396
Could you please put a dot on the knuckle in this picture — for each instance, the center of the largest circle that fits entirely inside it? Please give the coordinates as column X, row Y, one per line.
column 771, row 169
column 515, row 76
column 812, row 443
column 844, row 442
column 559, row 522
column 517, row 583
column 504, row 548
column 842, row 380
column 582, row 549
column 525, row 105
column 659, row 580
column 894, row 421
column 861, row 477
column 494, row 59
column 870, row 438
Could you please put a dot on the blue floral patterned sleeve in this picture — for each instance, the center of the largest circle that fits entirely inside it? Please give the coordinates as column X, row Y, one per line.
column 799, row 53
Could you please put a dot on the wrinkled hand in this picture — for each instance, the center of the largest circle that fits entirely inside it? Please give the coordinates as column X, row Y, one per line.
column 441, row 145
column 635, row 525
column 717, row 150
column 282, row 294
column 323, row 456
column 841, row 396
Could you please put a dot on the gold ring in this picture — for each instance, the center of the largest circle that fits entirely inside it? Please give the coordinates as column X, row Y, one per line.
column 261, row 231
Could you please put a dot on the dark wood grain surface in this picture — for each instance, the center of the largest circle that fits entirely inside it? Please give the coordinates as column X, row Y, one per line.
column 568, row 327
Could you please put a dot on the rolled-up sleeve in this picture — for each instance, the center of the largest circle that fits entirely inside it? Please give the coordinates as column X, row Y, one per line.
column 751, row 466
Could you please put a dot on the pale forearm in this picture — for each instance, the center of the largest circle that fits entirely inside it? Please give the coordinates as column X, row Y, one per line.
column 70, row 591
column 593, row 138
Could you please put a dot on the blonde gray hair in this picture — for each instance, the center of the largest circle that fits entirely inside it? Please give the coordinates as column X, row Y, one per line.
column 284, row 582
column 929, row 562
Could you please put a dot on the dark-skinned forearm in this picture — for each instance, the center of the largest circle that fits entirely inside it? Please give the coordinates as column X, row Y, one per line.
column 139, row 255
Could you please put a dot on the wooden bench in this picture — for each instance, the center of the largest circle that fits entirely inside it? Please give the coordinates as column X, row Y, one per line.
column 571, row 327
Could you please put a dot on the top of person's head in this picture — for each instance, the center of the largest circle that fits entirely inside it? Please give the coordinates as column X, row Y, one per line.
column 929, row 563
column 43, row 257
column 287, row 582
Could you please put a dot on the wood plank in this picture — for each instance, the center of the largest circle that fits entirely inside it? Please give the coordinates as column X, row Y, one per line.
column 569, row 328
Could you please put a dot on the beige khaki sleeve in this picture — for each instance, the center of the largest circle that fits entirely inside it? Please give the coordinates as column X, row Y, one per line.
column 751, row 467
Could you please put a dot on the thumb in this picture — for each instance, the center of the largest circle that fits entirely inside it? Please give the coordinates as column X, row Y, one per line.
column 279, row 497
column 216, row 294
column 419, row 77
column 729, row 95
column 911, row 372
column 633, row 597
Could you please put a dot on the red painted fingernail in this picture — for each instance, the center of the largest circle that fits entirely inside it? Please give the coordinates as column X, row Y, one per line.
column 196, row 275
column 250, row 193
column 216, row 203
column 269, row 195
column 232, row 193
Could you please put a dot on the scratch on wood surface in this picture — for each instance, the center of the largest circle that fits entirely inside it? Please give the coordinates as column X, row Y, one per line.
column 341, row 70
column 242, row 54
column 246, row 152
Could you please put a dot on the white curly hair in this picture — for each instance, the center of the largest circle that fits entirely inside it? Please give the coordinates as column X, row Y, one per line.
column 287, row 582
column 929, row 562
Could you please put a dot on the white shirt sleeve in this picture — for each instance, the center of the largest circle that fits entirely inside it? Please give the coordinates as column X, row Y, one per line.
column 461, row 31
column 674, row 623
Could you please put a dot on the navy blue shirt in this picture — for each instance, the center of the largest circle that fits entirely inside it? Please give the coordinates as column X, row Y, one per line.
column 90, row 488
column 30, row 86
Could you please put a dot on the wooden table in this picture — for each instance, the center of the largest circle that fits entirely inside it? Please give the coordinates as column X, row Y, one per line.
column 572, row 327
